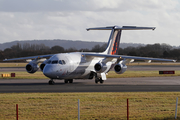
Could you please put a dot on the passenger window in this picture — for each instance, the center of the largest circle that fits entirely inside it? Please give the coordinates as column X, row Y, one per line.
column 60, row 62
column 49, row 61
column 54, row 61
column 63, row 62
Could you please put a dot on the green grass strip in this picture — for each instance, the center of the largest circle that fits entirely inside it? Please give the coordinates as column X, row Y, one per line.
column 130, row 74
column 4, row 64
column 93, row 106
column 111, row 74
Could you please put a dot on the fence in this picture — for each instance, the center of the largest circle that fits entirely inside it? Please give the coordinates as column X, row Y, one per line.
column 44, row 107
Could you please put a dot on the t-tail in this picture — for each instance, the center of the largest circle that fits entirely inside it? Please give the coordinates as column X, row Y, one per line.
column 115, row 36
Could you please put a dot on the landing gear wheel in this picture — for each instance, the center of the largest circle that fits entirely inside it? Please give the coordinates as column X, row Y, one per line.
column 70, row 80
column 51, row 82
column 101, row 81
column 66, row 81
column 96, row 80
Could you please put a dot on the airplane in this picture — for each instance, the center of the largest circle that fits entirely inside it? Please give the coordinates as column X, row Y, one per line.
column 86, row 65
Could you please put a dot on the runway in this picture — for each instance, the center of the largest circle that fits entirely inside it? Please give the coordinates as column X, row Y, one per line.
column 145, row 84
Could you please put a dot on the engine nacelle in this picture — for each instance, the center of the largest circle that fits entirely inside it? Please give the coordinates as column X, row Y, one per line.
column 120, row 68
column 32, row 67
column 100, row 67
column 43, row 65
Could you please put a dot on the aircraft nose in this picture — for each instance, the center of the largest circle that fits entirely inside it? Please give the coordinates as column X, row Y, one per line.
column 47, row 71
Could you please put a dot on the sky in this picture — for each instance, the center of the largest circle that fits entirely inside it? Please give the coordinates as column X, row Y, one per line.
column 68, row 19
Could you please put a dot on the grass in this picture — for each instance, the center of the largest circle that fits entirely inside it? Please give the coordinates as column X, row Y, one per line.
column 111, row 74
column 4, row 64
column 130, row 74
column 13, row 64
column 154, row 63
column 24, row 75
column 93, row 106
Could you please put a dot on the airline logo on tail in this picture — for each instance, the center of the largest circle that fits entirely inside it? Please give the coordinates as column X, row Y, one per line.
column 115, row 47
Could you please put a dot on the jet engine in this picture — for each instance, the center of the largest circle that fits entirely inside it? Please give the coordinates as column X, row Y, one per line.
column 120, row 68
column 100, row 67
column 43, row 65
column 32, row 67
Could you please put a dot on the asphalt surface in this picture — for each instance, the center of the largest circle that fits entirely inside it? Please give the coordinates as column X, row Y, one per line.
column 144, row 84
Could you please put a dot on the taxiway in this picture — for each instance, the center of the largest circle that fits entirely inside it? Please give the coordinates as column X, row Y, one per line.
column 145, row 84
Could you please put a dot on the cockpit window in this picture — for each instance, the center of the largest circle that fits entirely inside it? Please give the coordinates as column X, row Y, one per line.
column 63, row 62
column 60, row 62
column 54, row 61
column 49, row 61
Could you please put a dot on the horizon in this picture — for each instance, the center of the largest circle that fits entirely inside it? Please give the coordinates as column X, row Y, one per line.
column 81, row 41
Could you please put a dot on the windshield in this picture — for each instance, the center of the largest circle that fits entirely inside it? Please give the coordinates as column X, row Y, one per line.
column 62, row 62
column 54, row 61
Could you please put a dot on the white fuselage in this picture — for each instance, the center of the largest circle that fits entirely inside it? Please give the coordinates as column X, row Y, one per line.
column 72, row 66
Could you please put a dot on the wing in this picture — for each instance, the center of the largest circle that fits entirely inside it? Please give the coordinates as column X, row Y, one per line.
column 126, row 57
column 31, row 57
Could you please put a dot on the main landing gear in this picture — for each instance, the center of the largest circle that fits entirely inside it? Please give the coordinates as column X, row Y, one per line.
column 51, row 82
column 68, row 80
column 98, row 79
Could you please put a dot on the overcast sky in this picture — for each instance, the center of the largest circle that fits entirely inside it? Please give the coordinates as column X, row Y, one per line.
column 68, row 19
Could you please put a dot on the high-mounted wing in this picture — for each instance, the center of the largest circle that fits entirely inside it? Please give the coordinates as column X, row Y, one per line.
column 126, row 57
column 31, row 57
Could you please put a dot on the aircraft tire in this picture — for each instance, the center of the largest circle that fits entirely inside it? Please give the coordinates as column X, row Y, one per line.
column 101, row 81
column 51, row 82
column 66, row 81
column 96, row 80
column 70, row 80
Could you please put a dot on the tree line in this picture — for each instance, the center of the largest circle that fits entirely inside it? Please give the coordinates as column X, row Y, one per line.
column 150, row 50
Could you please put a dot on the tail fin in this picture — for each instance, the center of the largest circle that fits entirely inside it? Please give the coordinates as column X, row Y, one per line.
column 114, row 39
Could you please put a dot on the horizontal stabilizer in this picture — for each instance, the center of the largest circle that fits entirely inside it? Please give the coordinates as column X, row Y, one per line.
column 121, row 28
